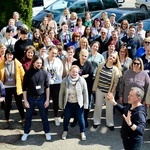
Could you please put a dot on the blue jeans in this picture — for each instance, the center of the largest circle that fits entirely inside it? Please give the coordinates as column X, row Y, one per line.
column 70, row 109
column 39, row 101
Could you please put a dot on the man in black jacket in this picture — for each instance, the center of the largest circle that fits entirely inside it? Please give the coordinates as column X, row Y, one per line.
column 134, row 122
column 133, row 42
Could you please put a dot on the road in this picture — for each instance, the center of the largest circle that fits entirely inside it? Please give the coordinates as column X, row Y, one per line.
column 129, row 3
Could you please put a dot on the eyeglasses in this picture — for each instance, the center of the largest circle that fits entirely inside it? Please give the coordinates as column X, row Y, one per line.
column 146, row 42
column 103, row 32
column 135, row 63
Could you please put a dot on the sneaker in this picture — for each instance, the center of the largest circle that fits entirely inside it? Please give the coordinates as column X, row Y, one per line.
column 6, row 125
column 83, row 137
column 94, row 128
column 64, row 135
column 24, row 137
column 48, row 136
column 57, row 123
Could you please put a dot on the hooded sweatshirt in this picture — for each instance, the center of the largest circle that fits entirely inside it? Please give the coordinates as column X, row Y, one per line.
column 138, row 118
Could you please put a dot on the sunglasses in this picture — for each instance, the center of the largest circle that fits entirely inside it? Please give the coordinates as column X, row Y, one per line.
column 147, row 42
column 135, row 63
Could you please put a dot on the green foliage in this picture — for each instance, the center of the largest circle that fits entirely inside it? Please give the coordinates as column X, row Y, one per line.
column 23, row 7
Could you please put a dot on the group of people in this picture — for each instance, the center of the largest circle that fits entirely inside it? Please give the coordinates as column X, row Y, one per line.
column 84, row 63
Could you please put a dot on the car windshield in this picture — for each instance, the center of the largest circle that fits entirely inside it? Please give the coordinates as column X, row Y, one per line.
column 58, row 6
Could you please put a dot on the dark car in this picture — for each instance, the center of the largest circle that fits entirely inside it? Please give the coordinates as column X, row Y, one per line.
column 37, row 3
column 78, row 6
column 130, row 14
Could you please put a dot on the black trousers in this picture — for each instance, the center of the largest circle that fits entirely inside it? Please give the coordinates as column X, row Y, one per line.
column 54, row 93
column 8, row 100
column 132, row 145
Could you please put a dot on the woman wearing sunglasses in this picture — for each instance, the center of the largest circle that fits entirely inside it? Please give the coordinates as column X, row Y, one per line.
column 134, row 77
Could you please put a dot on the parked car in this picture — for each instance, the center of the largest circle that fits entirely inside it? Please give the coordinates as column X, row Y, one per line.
column 130, row 14
column 38, row 5
column 146, row 23
column 143, row 4
column 78, row 6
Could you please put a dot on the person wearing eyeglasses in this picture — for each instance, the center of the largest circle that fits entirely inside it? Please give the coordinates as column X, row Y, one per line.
column 141, row 50
column 103, row 40
column 136, row 76
column 54, row 67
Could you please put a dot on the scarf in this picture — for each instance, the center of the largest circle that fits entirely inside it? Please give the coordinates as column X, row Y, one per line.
column 73, row 80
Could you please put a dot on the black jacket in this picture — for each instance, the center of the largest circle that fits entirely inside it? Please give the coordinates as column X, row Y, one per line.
column 138, row 118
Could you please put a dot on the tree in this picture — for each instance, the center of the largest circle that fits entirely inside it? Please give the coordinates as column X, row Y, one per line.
column 23, row 7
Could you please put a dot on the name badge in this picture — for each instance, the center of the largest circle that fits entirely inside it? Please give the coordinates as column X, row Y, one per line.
column 10, row 79
column 38, row 87
column 129, row 47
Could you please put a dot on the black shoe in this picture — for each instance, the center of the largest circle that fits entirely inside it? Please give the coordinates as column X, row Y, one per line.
column 148, row 121
column 111, row 128
column 35, row 113
column 73, row 124
column 95, row 126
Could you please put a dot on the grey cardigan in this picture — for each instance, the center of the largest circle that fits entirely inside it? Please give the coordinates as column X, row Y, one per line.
column 81, row 90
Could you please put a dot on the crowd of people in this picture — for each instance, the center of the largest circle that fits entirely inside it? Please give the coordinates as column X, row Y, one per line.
column 80, row 64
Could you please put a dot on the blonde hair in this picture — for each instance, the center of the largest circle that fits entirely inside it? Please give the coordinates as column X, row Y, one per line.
column 74, row 14
column 2, row 44
column 107, row 20
column 74, row 66
column 85, row 40
column 117, row 63
column 83, row 51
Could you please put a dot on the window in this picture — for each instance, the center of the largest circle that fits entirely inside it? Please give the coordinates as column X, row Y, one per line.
column 78, row 7
column 58, row 6
column 139, row 16
column 37, row 3
column 129, row 17
column 110, row 3
column 95, row 5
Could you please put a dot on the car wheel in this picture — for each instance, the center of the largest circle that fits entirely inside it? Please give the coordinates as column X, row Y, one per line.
column 143, row 7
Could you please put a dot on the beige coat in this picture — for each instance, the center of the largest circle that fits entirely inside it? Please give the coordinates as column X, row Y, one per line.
column 114, row 79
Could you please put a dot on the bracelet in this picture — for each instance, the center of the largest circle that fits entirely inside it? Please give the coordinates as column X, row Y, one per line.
column 131, row 125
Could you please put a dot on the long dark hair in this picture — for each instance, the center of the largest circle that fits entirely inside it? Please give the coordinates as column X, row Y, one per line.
column 35, row 58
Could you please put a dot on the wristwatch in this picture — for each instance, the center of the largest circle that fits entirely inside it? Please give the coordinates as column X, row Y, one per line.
column 131, row 125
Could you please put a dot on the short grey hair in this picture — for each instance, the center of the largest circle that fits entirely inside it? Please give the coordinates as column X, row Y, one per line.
column 139, row 92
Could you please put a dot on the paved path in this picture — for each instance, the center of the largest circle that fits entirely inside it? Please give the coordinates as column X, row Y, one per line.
column 103, row 139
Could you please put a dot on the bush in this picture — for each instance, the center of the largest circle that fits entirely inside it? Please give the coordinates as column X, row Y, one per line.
column 23, row 7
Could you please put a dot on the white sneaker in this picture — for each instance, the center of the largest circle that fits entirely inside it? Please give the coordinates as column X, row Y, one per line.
column 24, row 137
column 48, row 136
column 64, row 135
column 83, row 137
column 57, row 123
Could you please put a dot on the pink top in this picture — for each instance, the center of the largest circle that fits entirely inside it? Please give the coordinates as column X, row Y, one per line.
column 80, row 30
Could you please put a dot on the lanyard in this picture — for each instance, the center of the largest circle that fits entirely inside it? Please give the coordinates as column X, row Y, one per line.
column 9, row 71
